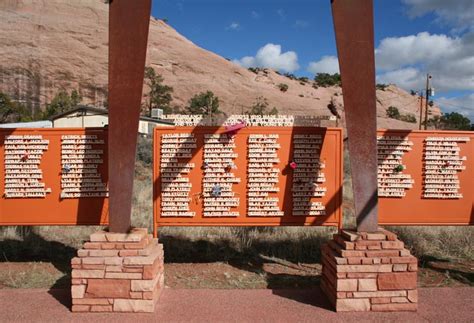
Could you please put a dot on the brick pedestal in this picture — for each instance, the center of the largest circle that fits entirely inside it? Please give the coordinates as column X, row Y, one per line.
column 117, row 272
column 369, row 272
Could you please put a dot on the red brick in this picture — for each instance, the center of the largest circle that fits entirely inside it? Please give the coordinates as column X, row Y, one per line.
column 101, row 308
column 109, row 246
column 76, row 266
column 380, row 300
column 115, row 269
column 341, row 275
column 80, row 308
column 369, row 243
column 377, row 247
column 393, row 307
column 367, row 285
column 87, row 266
column 390, row 235
column 376, row 261
column 93, row 261
column 396, row 281
column 405, row 253
column 82, row 253
column 385, row 260
column 149, row 272
column 354, row 260
column 361, row 275
column 136, row 295
column 128, row 253
column 400, row 267
column 346, row 285
column 392, row 245
column 399, row 300
column 391, row 293
column 76, row 261
column 80, row 273
column 352, row 305
column 151, row 295
column 349, row 235
column 76, row 281
column 123, row 275
column 376, row 236
column 90, row 301
column 91, row 245
column 352, row 253
column 103, row 253
column 134, row 305
column 412, row 267
column 132, row 269
column 77, row 291
column 382, row 253
column 98, row 237
column 364, row 268
column 341, row 294
column 367, row 261
column 114, row 288
column 360, row 247
column 404, row 260
column 413, row 296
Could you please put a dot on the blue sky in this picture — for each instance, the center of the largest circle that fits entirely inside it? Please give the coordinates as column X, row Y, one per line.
column 412, row 38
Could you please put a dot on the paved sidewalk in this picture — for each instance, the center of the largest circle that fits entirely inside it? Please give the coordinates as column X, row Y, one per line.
column 236, row 305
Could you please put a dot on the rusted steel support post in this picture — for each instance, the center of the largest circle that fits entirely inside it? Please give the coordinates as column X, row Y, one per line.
column 353, row 25
column 128, row 36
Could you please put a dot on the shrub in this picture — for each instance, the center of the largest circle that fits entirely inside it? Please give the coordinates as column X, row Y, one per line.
column 283, row 87
column 260, row 107
column 381, row 86
column 392, row 112
column 408, row 118
column 326, row 79
column 205, row 103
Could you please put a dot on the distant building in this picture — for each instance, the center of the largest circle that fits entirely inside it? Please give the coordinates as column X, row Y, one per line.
column 85, row 116
column 32, row 124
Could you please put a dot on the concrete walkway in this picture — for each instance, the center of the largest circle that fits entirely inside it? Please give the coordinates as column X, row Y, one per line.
column 195, row 305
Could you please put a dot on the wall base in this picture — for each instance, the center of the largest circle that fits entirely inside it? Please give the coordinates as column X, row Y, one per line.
column 118, row 272
column 369, row 272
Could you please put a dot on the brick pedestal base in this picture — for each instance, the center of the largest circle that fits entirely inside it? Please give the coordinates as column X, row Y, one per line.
column 117, row 272
column 369, row 272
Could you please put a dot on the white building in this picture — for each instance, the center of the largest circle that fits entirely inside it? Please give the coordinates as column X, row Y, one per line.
column 85, row 116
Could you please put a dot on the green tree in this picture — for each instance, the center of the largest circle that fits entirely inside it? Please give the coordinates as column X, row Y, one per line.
column 11, row 111
column 205, row 103
column 6, row 108
column 62, row 102
column 326, row 79
column 455, row 121
column 159, row 95
column 392, row 112
column 260, row 107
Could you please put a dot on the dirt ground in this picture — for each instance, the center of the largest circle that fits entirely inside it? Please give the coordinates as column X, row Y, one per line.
column 273, row 274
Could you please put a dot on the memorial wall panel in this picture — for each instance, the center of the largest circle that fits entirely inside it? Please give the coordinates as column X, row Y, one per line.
column 426, row 177
column 53, row 176
column 258, row 176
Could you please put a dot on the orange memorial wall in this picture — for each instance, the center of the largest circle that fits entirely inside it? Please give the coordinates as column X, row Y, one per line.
column 53, row 176
column 434, row 186
column 203, row 176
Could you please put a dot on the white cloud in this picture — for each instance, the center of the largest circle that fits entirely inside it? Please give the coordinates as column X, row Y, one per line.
column 233, row 26
column 255, row 15
column 450, row 60
column 458, row 13
column 271, row 56
column 301, row 24
column 281, row 13
column 327, row 64
column 406, row 78
column 462, row 104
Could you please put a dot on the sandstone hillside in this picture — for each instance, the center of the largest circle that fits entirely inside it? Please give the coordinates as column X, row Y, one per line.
column 54, row 44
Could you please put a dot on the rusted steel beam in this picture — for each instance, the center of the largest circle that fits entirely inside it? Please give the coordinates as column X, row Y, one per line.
column 353, row 25
column 128, row 36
